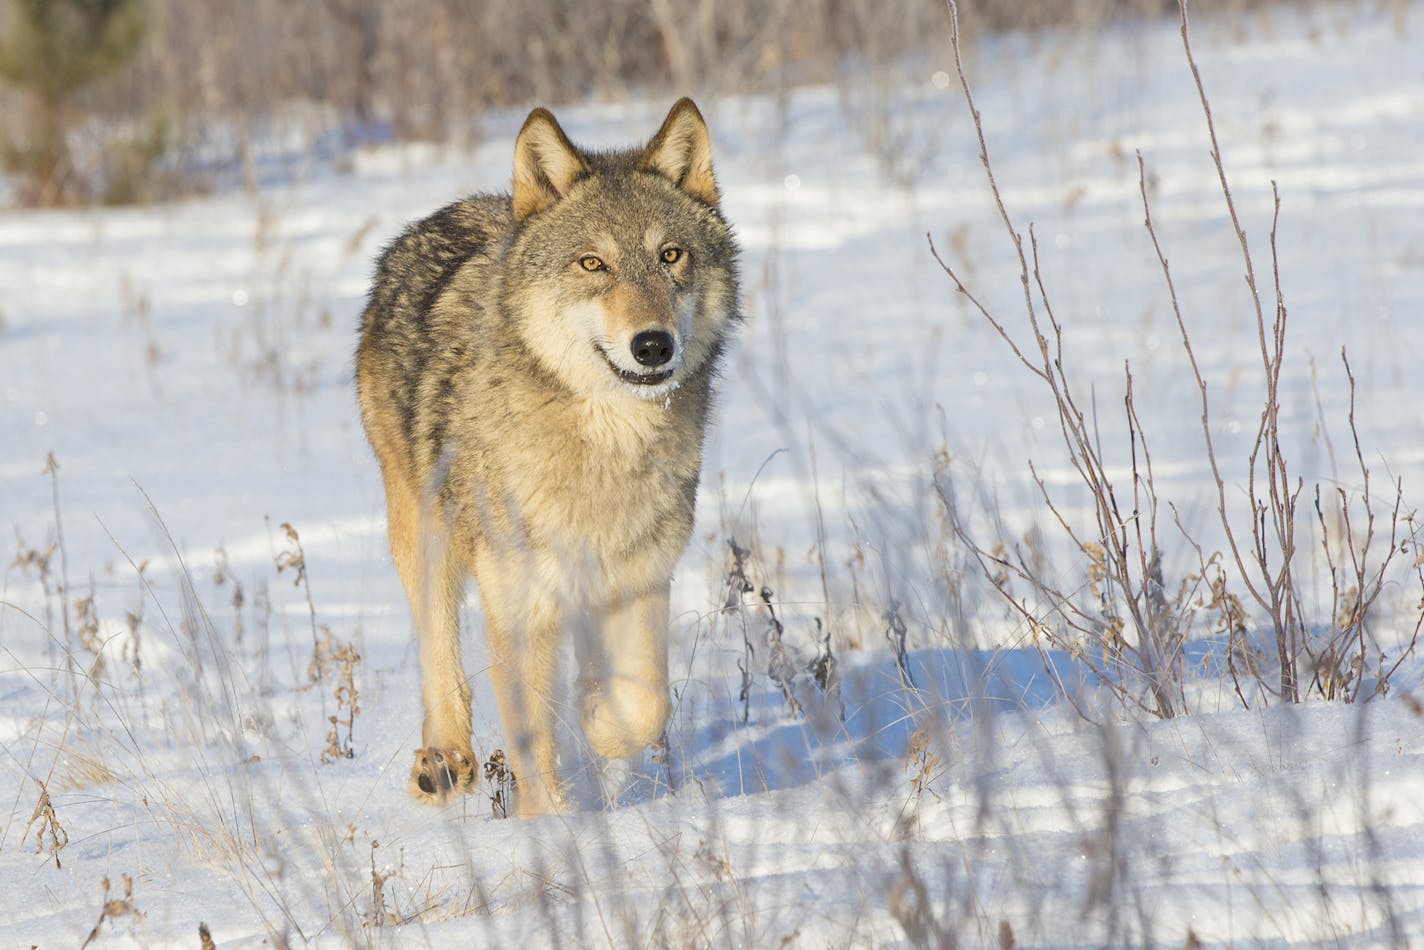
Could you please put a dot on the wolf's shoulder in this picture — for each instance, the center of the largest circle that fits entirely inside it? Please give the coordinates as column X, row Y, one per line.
column 414, row 267
column 452, row 234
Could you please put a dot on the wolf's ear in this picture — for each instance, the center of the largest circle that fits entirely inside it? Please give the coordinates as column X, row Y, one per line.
column 546, row 164
column 682, row 152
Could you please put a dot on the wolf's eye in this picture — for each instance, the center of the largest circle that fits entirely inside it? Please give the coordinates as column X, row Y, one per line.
column 671, row 255
column 590, row 263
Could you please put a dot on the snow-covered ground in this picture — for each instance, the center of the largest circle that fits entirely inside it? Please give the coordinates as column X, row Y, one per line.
column 189, row 369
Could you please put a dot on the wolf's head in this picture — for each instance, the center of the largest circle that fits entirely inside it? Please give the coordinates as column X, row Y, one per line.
column 622, row 272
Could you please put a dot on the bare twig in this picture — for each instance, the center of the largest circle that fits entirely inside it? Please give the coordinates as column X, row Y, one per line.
column 113, row 908
column 1124, row 557
column 49, row 825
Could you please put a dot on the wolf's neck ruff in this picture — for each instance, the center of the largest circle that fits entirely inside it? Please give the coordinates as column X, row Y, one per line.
column 546, row 357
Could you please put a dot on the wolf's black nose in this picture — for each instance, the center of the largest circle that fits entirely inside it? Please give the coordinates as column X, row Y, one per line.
column 652, row 347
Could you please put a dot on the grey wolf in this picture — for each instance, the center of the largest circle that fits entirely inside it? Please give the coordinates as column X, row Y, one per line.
column 535, row 374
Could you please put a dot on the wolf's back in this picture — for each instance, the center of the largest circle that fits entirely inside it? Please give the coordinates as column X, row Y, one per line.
column 401, row 345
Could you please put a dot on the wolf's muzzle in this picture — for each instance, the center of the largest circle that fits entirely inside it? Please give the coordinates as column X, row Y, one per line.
column 637, row 379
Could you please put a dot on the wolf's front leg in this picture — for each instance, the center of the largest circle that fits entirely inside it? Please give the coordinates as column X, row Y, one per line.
column 434, row 582
column 624, row 679
column 522, row 634
column 522, row 667
column 445, row 765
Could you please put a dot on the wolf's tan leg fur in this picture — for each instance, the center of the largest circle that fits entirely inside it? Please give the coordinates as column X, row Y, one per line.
column 624, row 701
column 522, row 630
column 522, row 673
column 434, row 583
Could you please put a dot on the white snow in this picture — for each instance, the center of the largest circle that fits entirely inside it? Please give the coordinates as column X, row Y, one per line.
column 189, row 367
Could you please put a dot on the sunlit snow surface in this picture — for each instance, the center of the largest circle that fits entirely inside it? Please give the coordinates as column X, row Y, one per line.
column 189, row 367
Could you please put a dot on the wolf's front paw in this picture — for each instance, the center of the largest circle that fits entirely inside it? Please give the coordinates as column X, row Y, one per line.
column 440, row 774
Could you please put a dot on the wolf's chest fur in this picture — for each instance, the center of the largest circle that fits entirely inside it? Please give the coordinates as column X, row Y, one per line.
column 610, row 478
column 520, row 460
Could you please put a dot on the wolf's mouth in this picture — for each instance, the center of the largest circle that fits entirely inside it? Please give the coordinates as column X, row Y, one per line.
column 637, row 379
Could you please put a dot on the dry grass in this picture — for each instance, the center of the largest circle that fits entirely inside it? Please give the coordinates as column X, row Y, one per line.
column 114, row 909
column 49, row 827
